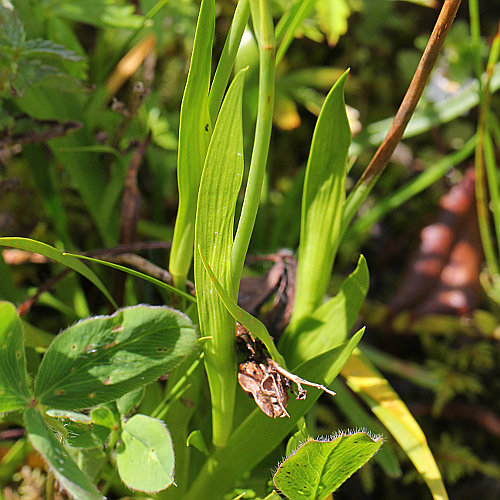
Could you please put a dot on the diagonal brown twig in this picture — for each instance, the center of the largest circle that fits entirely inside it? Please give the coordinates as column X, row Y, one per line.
column 383, row 154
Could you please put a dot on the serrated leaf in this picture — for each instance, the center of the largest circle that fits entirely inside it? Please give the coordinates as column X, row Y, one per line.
column 67, row 473
column 318, row 468
column 12, row 32
column 146, row 458
column 30, row 73
column 330, row 324
column 375, row 390
column 100, row 359
column 53, row 253
column 322, row 202
column 14, row 391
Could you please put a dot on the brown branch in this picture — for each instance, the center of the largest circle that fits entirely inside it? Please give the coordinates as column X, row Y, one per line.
column 383, row 154
column 147, row 267
column 413, row 94
column 131, row 206
column 28, row 304
column 55, row 129
column 131, row 195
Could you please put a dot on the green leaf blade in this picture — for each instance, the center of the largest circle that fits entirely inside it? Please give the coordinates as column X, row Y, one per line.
column 14, row 391
column 194, row 137
column 100, row 13
column 331, row 323
column 219, row 188
column 100, row 359
column 146, row 459
column 322, row 202
column 137, row 274
column 317, row 468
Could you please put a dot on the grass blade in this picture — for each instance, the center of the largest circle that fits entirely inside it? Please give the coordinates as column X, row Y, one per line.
column 194, row 136
column 252, row 324
column 330, row 324
column 53, row 253
column 137, row 274
column 226, row 61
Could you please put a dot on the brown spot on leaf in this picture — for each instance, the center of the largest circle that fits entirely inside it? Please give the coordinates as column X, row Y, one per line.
column 188, row 403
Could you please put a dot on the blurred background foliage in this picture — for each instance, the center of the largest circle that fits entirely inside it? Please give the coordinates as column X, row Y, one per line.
column 84, row 84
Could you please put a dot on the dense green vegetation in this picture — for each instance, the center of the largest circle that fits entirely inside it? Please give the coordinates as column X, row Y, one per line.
column 200, row 158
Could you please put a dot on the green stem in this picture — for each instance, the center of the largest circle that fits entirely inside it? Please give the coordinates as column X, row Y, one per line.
column 484, row 147
column 176, row 391
column 475, row 33
column 264, row 29
column 226, row 61
column 49, row 486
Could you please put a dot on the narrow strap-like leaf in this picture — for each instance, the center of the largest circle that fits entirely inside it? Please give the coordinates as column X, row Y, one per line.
column 219, row 188
column 55, row 254
column 194, row 136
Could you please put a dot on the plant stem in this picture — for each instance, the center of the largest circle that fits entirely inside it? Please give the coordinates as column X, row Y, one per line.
column 484, row 147
column 383, row 155
column 226, row 61
column 49, row 486
column 264, row 29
